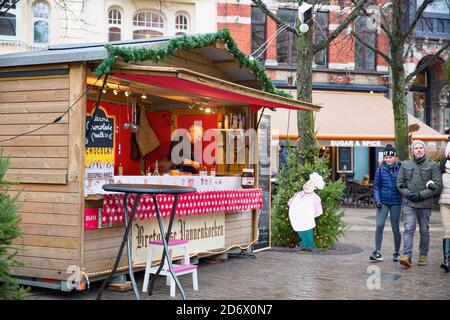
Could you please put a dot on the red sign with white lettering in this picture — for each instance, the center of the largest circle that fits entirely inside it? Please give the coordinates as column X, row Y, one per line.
column 90, row 218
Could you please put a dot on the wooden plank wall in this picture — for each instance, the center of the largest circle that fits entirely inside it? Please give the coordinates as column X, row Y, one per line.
column 101, row 247
column 27, row 103
column 49, row 203
column 239, row 228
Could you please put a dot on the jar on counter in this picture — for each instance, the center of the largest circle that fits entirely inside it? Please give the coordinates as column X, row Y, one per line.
column 247, row 178
column 212, row 171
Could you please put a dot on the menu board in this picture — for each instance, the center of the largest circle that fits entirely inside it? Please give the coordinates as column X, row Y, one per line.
column 345, row 159
column 99, row 157
column 264, row 142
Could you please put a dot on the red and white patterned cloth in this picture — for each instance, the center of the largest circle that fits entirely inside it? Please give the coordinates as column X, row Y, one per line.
column 201, row 202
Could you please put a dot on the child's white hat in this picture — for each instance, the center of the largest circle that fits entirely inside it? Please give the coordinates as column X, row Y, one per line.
column 317, row 179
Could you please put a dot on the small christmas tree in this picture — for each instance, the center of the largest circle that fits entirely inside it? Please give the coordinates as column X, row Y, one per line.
column 9, row 230
column 329, row 226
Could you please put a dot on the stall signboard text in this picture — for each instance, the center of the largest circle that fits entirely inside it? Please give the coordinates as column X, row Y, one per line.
column 99, row 157
column 100, row 146
column 204, row 232
column 355, row 143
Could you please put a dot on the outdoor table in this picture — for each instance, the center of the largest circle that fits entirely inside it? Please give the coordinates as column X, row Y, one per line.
column 153, row 190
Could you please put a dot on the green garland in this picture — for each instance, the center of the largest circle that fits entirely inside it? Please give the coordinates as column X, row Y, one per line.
column 131, row 55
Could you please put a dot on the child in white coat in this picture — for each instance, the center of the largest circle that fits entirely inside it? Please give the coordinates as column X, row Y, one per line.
column 304, row 207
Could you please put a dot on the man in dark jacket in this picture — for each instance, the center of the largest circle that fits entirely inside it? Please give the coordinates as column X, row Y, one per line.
column 388, row 200
column 419, row 181
column 283, row 155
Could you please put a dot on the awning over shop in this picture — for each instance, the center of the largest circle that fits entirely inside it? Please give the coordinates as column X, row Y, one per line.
column 181, row 81
column 351, row 119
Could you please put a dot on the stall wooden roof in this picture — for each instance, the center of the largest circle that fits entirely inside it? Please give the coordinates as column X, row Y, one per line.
column 212, row 64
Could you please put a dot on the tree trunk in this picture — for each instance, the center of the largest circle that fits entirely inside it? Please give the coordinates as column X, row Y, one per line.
column 399, row 104
column 305, row 119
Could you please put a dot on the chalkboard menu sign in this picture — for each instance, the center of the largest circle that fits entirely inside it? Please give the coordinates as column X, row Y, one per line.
column 345, row 159
column 264, row 142
column 101, row 135
column 99, row 156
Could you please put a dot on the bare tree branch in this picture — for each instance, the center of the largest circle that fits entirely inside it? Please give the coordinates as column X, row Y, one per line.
column 417, row 16
column 377, row 51
column 382, row 25
column 272, row 16
column 4, row 4
column 427, row 63
column 344, row 24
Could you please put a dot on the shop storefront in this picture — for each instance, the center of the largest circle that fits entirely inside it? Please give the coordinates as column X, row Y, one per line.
column 200, row 93
column 352, row 129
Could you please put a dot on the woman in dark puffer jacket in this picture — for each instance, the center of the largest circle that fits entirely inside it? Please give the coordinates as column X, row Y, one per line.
column 387, row 199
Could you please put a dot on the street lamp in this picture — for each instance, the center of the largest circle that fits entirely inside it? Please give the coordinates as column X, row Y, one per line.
column 304, row 15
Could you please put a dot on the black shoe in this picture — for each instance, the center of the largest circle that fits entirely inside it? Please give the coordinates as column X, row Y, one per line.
column 396, row 257
column 446, row 252
column 376, row 256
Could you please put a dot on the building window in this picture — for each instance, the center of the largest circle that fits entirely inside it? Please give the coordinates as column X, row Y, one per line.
column 320, row 32
column 8, row 23
column 437, row 6
column 147, row 24
column 114, row 24
column 286, row 39
column 41, row 17
column 258, row 23
column 181, row 25
column 364, row 57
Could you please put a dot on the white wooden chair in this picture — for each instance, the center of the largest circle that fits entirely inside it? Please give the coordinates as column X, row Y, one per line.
column 185, row 267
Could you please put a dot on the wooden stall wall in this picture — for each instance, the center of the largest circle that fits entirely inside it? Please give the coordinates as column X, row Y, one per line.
column 239, row 229
column 49, row 184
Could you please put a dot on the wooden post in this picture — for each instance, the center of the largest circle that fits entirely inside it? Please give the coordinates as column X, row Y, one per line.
column 77, row 119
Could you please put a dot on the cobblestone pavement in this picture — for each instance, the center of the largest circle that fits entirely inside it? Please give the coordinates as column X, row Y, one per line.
column 289, row 274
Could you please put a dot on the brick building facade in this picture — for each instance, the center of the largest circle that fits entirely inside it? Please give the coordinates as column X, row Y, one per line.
column 346, row 66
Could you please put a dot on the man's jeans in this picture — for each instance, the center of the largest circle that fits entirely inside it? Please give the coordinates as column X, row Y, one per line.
column 411, row 215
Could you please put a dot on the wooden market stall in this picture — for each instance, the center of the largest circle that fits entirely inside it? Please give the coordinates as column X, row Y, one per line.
column 47, row 100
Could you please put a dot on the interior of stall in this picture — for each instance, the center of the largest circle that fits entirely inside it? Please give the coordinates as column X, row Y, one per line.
column 142, row 146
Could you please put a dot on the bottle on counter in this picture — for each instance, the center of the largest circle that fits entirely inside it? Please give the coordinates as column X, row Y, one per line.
column 156, row 171
column 120, row 170
column 225, row 122
column 248, row 178
column 235, row 122
column 202, row 171
column 212, row 171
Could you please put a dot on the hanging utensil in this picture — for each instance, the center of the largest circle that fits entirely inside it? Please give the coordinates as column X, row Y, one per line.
column 127, row 124
column 134, row 125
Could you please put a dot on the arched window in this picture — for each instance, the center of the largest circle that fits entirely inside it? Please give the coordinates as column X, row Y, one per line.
column 181, row 24
column 114, row 24
column 41, row 17
column 147, row 24
column 364, row 57
column 8, row 17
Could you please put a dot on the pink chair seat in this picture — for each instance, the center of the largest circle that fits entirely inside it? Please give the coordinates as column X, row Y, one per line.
column 183, row 267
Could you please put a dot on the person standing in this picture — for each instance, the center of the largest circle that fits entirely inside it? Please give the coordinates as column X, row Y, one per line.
column 388, row 200
column 445, row 208
column 283, row 154
column 419, row 181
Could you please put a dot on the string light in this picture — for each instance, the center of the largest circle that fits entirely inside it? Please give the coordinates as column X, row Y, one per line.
column 115, row 92
column 126, row 93
column 208, row 110
column 144, row 96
